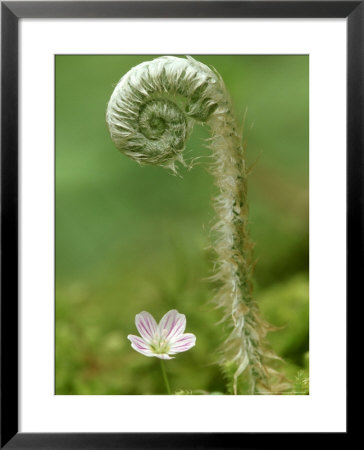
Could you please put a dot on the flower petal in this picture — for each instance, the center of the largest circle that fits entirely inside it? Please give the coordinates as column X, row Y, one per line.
column 146, row 325
column 140, row 345
column 162, row 356
column 172, row 324
column 182, row 343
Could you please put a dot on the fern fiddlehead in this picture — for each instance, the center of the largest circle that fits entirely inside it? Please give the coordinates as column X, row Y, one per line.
column 150, row 116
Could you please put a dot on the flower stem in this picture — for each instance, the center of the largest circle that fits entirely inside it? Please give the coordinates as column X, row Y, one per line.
column 165, row 377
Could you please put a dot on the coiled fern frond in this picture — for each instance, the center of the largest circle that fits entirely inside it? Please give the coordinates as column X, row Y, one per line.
column 150, row 116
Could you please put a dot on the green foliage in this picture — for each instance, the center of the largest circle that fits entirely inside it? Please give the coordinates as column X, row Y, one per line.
column 130, row 239
column 301, row 384
column 286, row 306
column 181, row 392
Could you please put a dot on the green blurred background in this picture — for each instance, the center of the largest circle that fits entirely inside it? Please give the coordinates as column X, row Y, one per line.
column 131, row 238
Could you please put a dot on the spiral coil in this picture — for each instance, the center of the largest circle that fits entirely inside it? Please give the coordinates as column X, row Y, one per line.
column 153, row 107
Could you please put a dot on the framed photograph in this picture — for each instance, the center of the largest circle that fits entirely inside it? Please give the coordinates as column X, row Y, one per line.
column 181, row 219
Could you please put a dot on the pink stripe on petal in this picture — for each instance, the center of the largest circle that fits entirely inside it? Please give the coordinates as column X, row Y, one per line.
column 138, row 341
column 140, row 345
column 146, row 325
column 178, row 328
column 167, row 320
column 173, row 323
column 183, row 343
column 143, row 352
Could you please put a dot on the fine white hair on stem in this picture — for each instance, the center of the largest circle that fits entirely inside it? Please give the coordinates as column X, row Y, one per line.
column 150, row 116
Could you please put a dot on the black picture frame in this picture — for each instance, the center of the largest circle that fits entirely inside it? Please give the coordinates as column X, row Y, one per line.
column 11, row 12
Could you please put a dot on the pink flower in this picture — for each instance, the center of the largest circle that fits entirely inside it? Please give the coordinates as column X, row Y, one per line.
column 163, row 339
